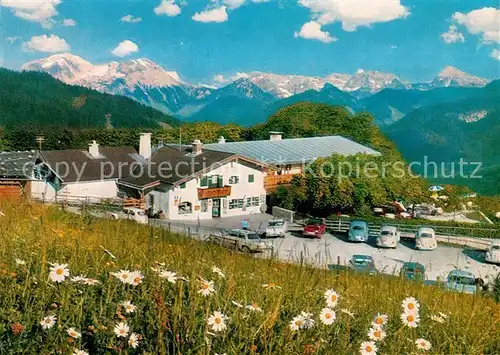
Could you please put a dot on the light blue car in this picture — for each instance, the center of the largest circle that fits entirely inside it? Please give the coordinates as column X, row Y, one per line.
column 358, row 232
column 461, row 281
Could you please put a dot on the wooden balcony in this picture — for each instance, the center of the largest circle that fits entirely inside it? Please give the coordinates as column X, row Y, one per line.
column 271, row 182
column 214, row 192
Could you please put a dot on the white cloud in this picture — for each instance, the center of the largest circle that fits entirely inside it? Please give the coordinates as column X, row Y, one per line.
column 312, row 30
column 221, row 79
column 125, row 48
column 355, row 13
column 13, row 39
column 233, row 4
column 69, row 22
column 131, row 19
column 218, row 14
column 453, row 35
column 485, row 21
column 40, row 11
column 168, row 7
column 495, row 54
column 51, row 44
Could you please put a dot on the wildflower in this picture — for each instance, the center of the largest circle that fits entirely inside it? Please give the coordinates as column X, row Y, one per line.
column 135, row 278
column 308, row 320
column 297, row 323
column 410, row 319
column 78, row 279
column 376, row 334
column 327, row 316
column 254, row 307
column 217, row 321
column 443, row 315
column 218, row 271
column 129, row 307
column 271, row 286
column 368, row 348
column 332, row 298
column 17, row 328
column 121, row 329
column 122, row 275
column 169, row 275
column 423, row 344
column 91, row 282
column 73, row 333
column 239, row 305
column 48, row 322
column 20, row 262
column 80, row 352
column 410, row 304
column 437, row 319
column 380, row 320
column 207, row 288
column 133, row 340
column 348, row 312
column 58, row 272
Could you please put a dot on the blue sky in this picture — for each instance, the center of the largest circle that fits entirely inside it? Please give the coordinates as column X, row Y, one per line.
column 307, row 37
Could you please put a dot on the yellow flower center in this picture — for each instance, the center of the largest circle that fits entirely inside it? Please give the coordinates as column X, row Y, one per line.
column 377, row 334
column 410, row 318
column 379, row 320
column 59, row 271
column 122, row 331
column 124, row 276
column 328, row 316
column 333, row 298
column 217, row 320
column 205, row 286
column 411, row 306
column 369, row 348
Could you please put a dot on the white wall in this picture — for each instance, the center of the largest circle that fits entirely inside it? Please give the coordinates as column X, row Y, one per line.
column 242, row 190
column 90, row 190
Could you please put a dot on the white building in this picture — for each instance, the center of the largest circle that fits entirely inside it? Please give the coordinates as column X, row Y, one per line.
column 189, row 183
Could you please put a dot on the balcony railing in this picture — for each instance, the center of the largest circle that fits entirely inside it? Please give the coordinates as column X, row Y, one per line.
column 214, row 192
column 272, row 181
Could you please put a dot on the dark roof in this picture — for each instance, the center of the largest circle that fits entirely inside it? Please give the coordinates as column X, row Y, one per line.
column 17, row 165
column 172, row 164
column 78, row 165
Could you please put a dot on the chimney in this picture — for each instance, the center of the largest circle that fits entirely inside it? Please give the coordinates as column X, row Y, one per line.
column 197, row 147
column 94, row 149
column 275, row 136
column 221, row 140
column 145, row 145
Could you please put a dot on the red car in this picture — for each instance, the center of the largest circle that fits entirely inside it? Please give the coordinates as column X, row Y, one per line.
column 314, row 228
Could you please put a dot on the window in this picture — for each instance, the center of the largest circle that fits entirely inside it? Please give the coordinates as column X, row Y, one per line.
column 183, row 185
column 204, row 205
column 235, row 203
column 253, row 201
column 215, row 181
column 185, row 208
column 234, row 179
column 251, row 178
column 204, row 181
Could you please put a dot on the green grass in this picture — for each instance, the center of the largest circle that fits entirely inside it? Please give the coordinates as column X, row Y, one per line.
column 171, row 318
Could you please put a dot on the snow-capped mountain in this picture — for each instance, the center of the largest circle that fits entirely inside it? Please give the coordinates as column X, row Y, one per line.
column 283, row 86
column 338, row 80
column 451, row 76
column 374, row 81
column 243, row 88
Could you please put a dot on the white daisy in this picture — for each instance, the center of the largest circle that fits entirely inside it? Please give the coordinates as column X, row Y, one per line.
column 368, row 348
column 135, row 278
column 327, row 316
column 207, row 288
column 308, row 320
column 297, row 323
column 80, row 352
column 217, row 321
column 443, row 315
column 437, row 319
column 78, row 279
column 122, row 275
column 271, row 286
column 239, row 305
column 169, row 275
column 91, row 282
column 348, row 312
column 410, row 319
column 423, row 344
column 48, row 322
column 410, row 304
column 73, row 333
column 218, row 271
column 133, row 340
column 254, row 307
column 376, row 334
column 121, row 330
column 331, row 297
column 129, row 307
column 20, row 262
column 380, row 320
column 58, row 272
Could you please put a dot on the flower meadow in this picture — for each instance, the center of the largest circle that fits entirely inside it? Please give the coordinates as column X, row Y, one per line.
column 77, row 285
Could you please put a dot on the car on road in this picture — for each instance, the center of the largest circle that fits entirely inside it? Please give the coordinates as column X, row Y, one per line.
column 493, row 253
column 358, row 232
column 240, row 239
column 413, row 271
column 130, row 213
column 363, row 263
column 276, row 228
column 461, row 281
column 388, row 237
column 315, row 227
column 425, row 239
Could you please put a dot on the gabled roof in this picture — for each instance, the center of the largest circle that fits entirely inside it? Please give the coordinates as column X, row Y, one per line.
column 78, row 165
column 293, row 150
column 17, row 165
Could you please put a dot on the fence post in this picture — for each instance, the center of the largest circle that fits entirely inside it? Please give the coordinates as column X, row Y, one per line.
column 301, row 258
column 338, row 259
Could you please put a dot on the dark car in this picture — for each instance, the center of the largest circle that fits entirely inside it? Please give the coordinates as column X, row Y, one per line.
column 413, row 271
column 363, row 263
column 315, row 227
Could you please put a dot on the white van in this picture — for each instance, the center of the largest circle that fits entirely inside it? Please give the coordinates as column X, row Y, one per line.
column 276, row 228
column 425, row 239
column 493, row 253
column 388, row 237
column 131, row 213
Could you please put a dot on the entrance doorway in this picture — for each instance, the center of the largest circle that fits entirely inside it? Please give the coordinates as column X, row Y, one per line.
column 216, row 208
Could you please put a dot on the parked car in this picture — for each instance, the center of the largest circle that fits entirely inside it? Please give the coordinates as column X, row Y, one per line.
column 131, row 213
column 388, row 237
column 493, row 253
column 358, row 232
column 315, row 227
column 425, row 239
column 461, row 281
column 240, row 239
column 277, row 228
column 413, row 271
column 363, row 263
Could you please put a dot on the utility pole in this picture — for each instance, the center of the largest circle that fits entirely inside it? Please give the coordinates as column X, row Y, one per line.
column 40, row 140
